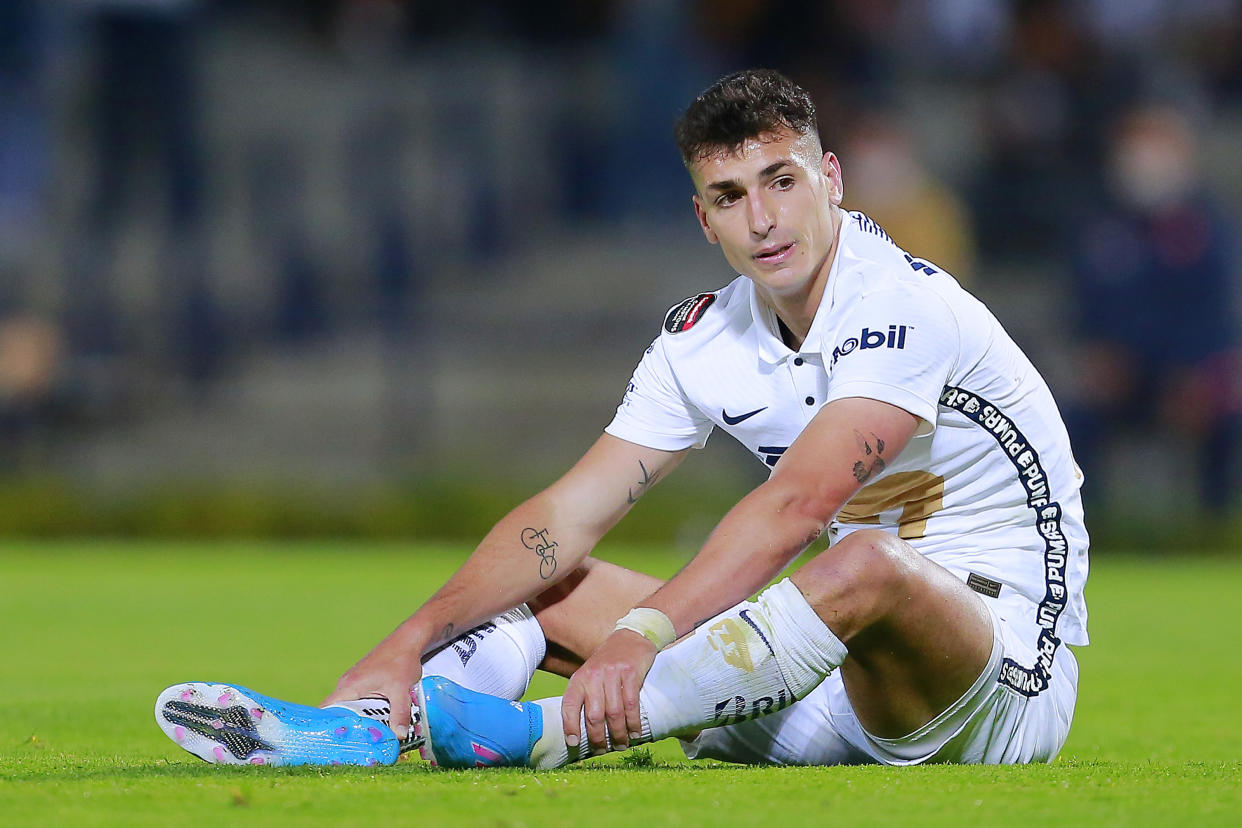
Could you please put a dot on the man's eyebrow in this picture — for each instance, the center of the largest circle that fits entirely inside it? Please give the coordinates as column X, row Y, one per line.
column 734, row 184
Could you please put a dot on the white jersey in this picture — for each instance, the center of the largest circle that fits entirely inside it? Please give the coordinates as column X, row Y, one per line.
column 988, row 488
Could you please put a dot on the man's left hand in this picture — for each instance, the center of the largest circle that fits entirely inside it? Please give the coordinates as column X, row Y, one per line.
column 606, row 688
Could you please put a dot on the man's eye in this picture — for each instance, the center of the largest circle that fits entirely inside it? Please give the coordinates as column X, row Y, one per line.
column 784, row 182
column 725, row 199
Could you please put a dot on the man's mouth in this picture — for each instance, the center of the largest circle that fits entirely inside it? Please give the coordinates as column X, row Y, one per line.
column 775, row 254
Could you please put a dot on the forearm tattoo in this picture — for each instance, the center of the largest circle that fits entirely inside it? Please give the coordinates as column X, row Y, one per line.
column 537, row 540
column 872, row 462
column 646, row 483
column 447, row 632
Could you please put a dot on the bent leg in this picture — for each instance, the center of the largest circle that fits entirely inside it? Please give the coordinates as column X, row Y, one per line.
column 918, row 637
column 580, row 612
column 568, row 623
column 910, row 638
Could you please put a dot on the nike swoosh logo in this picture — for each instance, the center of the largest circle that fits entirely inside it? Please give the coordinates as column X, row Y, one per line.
column 735, row 420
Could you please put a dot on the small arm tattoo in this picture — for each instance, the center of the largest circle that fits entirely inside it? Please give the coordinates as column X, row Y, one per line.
column 537, row 540
column 447, row 632
column 646, row 483
column 872, row 462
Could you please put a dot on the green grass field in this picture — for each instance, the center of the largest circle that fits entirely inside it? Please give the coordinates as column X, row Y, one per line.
column 93, row 631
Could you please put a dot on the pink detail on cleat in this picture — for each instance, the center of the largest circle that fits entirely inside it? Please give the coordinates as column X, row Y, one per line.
column 226, row 698
column 375, row 734
column 486, row 755
column 257, row 712
column 219, row 752
column 217, row 724
column 340, row 731
column 186, row 695
column 336, row 762
column 372, row 761
column 257, row 760
column 179, row 733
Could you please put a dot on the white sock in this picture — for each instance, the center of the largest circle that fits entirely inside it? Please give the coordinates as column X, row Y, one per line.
column 498, row 657
column 756, row 658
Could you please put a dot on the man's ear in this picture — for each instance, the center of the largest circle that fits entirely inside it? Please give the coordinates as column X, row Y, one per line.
column 831, row 168
column 701, row 215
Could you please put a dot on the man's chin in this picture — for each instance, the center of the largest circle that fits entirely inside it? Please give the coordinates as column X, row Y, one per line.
column 783, row 281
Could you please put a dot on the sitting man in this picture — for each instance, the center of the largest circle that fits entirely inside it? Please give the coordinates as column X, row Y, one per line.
column 895, row 413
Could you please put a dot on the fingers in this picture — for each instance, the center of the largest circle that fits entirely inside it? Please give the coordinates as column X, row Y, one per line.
column 398, row 696
column 399, row 710
column 584, row 701
column 614, row 710
column 593, row 712
column 629, row 700
column 571, row 711
column 607, row 701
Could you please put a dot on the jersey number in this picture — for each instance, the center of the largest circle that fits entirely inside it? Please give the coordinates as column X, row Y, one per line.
column 918, row 495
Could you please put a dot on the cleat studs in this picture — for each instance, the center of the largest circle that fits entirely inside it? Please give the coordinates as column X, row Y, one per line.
column 341, row 731
column 219, row 753
column 179, row 733
column 336, row 762
column 258, row 760
column 187, row 694
column 226, row 698
column 217, row 724
column 256, row 712
column 372, row 761
column 375, row 734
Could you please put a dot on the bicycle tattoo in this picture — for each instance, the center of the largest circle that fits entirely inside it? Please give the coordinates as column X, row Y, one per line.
column 537, row 541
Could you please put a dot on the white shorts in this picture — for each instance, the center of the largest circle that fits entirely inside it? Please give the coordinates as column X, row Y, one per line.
column 992, row 723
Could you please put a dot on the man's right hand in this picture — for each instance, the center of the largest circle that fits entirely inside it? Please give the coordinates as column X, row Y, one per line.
column 390, row 671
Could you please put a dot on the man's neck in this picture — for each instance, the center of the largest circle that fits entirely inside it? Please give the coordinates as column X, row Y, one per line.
column 795, row 312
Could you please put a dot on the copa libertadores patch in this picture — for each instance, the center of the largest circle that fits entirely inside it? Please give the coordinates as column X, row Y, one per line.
column 683, row 317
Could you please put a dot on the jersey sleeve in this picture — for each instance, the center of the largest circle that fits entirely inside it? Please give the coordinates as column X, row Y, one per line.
column 897, row 346
column 654, row 412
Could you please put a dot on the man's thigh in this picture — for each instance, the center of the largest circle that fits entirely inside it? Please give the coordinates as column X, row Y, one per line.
column 580, row 612
column 918, row 637
column 990, row 723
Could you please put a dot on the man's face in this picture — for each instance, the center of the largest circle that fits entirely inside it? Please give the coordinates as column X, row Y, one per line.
column 770, row 208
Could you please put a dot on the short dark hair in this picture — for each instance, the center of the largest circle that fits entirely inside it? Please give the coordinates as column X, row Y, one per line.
column 743, row 105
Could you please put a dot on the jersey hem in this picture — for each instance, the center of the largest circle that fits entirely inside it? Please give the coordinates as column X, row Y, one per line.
column 646, row 440
column 925, row 410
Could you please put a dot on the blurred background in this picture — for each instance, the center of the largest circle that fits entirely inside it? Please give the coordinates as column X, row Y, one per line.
column 367, row 267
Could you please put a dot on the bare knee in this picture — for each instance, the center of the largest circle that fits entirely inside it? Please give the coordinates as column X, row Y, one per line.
column 860, row 580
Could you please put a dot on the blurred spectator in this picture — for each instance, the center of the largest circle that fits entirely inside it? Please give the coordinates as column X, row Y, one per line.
column 31, row 353
column 24, row 32
column 1038, row 121
column 1155, row 280
column 145, row 121
column 885, row 178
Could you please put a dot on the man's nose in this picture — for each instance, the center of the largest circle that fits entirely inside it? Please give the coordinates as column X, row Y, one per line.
column 761, row 215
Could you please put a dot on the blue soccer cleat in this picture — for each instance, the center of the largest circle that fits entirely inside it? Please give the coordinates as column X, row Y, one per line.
column 460, row 728
column 231, row 725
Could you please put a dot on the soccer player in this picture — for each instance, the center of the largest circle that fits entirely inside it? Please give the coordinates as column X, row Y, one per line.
column 895, row 414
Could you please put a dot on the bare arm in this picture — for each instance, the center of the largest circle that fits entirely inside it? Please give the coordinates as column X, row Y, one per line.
column 530, row 549
column 847, row 444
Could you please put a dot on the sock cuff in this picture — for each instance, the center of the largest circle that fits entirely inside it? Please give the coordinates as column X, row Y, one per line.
column 808, row 646
column 521, row 626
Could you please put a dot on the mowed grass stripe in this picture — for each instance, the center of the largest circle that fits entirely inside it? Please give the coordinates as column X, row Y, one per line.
column 95, row 630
